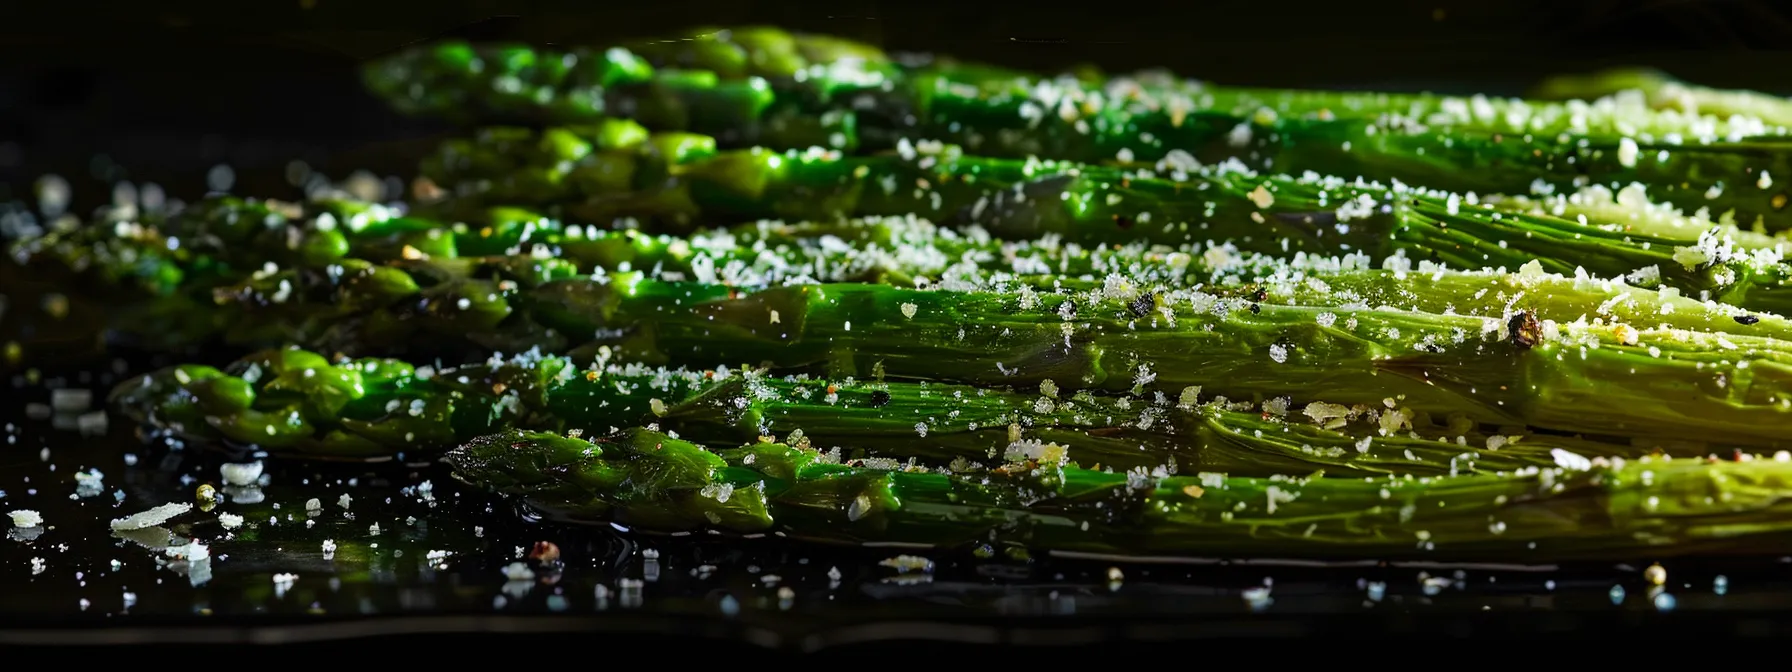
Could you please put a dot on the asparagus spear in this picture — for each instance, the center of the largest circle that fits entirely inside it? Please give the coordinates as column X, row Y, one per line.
column 1584, row 510
column 1511, row 367
column 1180, row 203
column 519, row 84
column 186, row 255
column 1664, row 92
column 220, row 240
column 1311, row 213
column 612, row 156
column 900, row 251
column 904, row 250
column 1476, row 144
column 908, row 251
column 297, row 402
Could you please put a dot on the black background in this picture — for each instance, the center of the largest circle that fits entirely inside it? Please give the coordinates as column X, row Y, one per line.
column 161, row 91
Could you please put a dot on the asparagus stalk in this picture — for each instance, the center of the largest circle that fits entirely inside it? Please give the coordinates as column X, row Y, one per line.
column 1180, row 204
column 1664, row 92
column 185, row 255
column 220, row 240
column 912, row 252
column 1586, row 510
column 519, row 84
column 1476, row 144
column 1508, row 368
column 224, row 239
column 608, row 157
column 902, row 251
column 299, row 403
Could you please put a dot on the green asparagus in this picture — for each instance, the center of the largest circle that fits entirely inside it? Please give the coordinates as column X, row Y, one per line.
column 1624, row 236
column 216, row 241
column 1179, row 204
column 297, row 402
column 516, row 83
column 907, row 250
column 1470, row 145
column 1506, row 367
column 302, row 304
column 1583, row 509
column 1664, row 92
column 755, row 282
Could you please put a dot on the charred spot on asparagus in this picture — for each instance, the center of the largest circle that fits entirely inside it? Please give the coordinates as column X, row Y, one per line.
column 1526, row 330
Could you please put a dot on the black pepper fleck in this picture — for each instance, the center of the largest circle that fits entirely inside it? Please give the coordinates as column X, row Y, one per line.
column 1746, row 319
column 1142, row 306
column 879, row 398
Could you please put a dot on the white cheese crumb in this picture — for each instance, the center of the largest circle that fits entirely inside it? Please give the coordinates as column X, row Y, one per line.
column 152, row 517
column 240, row 474
column 1262, row 197
column 1690, row 257
column 908, row 310
column 343, row 501
column 230, row 521
column 1627, row 151
column 518, row 571
column 1570, row 461
column 26, row 518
